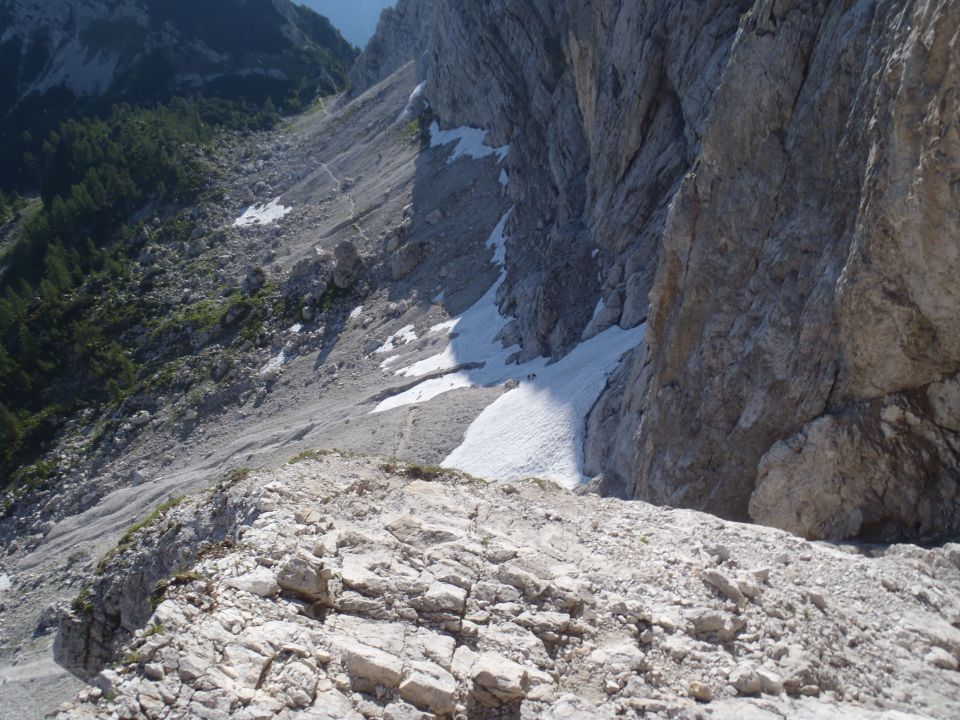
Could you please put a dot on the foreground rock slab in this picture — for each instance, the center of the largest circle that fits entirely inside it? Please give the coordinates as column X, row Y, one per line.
column 341, row 587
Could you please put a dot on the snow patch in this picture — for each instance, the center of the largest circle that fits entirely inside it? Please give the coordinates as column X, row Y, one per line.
column 504, row 178
column 601, row 306
column 74, row 67
column 539, row 428
column 262, row 214
column 5, row 583
column 498, row 240
column 356, row 312
column 417, row 92
column 439, row 297
column 470, row 142
column 401, row 337
column 275, row 363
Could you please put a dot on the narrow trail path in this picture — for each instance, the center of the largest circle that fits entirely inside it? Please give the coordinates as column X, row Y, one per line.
column 338, row 184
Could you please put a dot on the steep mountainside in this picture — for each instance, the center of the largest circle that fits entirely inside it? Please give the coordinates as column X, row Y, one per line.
column 65, row 59
column 695, row 252
column 772, row 188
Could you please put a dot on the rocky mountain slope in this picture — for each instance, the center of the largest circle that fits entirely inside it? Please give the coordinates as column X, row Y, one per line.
column 770, row 188
column 342, row 587
column 699, row 252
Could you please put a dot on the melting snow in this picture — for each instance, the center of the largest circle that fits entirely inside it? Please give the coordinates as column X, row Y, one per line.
column 356, row 312
column 599, row 308
column 539, row 429
column 470, row 142
column 498, row 240
column 536, row 429
column 262, row 214
column 417, row 92
column 274, row 363
column 400, row 337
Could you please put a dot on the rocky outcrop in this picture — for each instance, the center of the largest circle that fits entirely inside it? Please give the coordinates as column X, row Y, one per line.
column 402, row 35
column 771, row 186
column 119, row 602
column 345, row 588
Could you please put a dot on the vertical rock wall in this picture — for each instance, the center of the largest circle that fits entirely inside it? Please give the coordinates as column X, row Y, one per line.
column 773, row 186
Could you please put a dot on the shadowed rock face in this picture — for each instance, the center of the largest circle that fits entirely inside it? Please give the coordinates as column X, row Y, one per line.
column 773, row 187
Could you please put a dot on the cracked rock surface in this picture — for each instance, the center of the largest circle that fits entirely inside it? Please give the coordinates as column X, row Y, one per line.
column 344, row 587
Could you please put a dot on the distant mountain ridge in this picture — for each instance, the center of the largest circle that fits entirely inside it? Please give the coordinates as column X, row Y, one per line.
column 356, row 20
column 63, row 58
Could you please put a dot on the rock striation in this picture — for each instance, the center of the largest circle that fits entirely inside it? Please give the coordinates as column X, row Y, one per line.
column 403, row 34
column 771, row 188
column 343, row 587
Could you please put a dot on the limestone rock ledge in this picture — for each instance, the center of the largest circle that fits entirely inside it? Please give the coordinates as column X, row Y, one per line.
column 343, row 588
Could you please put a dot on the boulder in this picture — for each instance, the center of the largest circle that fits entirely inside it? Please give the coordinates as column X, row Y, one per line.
column 348, row 267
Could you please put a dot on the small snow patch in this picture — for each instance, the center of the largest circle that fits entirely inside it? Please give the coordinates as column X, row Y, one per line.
column 5, row 583
column 498, row 240
column 417, row 92
column 599, row 308
column 262, row 214
column 504, row 178
column 275, row 363
column 439, row 297
column 470, row 142
column 356, row 312
column 400, row 337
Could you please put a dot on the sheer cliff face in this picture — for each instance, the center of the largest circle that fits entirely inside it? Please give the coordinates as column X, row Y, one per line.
column 603, row 106
column 804, row 330
column 773, row 187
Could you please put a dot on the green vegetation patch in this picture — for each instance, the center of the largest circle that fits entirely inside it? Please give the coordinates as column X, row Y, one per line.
column 416, row 471
column 129, row 537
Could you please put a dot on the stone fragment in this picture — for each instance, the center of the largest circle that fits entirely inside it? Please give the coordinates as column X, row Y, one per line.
column 746, row 680
column 303, row 574
column 497, row 679
column 347, row 269
column 771, row 683
column 724, row 584
column 940, row 658
column 431, row 687
column 371, row 664
column 700, row 691
column 260, row 581
column 443, row 597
